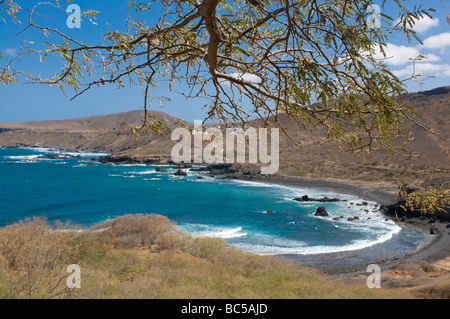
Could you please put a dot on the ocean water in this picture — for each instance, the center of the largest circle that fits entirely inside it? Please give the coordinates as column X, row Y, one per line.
column 85, row 193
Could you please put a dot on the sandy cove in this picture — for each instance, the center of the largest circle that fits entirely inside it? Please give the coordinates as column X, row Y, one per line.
column 425, row 273
column 430, row 261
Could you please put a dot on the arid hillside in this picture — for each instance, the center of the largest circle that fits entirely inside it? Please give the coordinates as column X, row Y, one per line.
column 429, row 148
column 314, row 157
column 100, row 122
column 105, row 133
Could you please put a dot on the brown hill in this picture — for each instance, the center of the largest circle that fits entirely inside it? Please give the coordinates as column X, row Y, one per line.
column 429, row 161
column 99, row 122
column 429, row 148
column 104, row 133
column 314, row 158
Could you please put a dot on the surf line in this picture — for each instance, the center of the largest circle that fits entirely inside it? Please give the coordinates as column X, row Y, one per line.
column 190, row 146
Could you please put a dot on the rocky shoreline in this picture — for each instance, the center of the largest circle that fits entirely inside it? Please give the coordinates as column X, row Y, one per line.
column 126, row 159
column 337, row 264
column 350, row 265
column 353, row 262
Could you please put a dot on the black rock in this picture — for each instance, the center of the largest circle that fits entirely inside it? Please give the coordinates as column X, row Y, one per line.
column 306, row 198
column 161, row 169
column 433, row 230
column 321, row 211
column 408, row 189
column 362, row 204
column 180, row 172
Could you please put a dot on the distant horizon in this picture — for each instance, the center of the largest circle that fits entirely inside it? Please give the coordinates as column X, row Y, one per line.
column 162, row 111
column 21, row 102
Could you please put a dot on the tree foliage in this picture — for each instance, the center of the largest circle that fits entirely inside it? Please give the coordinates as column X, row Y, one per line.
column 427, row 200
column 280, row 57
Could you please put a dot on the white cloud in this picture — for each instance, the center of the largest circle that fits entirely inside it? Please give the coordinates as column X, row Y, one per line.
column 431, row 57
column 425, row 69
column 434, row 50
column 402, row 56
column 12, row 52
column 424, row 24
column 437, row 41
column 245, row 76
column 397, row 54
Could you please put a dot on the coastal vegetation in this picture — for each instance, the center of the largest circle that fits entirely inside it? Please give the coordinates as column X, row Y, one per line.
column 145, row 256
column 280, row 58
column 434, row 199
column 331, row 78
column 298, row 64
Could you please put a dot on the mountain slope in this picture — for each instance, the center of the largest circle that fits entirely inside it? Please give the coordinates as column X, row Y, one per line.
column 104, row 133
column 99, row 122
column 315, row 157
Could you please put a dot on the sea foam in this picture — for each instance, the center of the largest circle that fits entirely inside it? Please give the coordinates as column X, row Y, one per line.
column 215, row 232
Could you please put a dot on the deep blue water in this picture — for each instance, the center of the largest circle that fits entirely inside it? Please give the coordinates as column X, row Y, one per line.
column 85, row 192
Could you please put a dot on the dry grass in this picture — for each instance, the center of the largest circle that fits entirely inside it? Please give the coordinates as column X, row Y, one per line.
column 133, row 230
column 143, row 256
column 31, row 259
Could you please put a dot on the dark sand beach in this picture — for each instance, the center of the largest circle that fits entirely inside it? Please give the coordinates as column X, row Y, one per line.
column 424, row 272
column 386, row 254
column 435, row 247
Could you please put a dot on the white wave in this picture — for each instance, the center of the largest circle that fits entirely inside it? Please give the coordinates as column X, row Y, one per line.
column 176, row 177
column 291, row 192
column 39, row 149
column 60, row 151
column 371, row 222
column 260, row 184
column 202, row 180
column 215, row 232
column 22, row 157
column 291, row 248
column 86, row 154
column 143, row 172
column 130, row 165
column 226, row 233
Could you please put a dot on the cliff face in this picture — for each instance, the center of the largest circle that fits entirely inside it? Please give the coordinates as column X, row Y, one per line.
column 313, row 158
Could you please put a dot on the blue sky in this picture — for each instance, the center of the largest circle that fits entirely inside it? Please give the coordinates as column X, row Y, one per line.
column 31, row 102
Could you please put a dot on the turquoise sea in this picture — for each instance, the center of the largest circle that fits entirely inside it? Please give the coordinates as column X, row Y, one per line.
column 85, row 193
